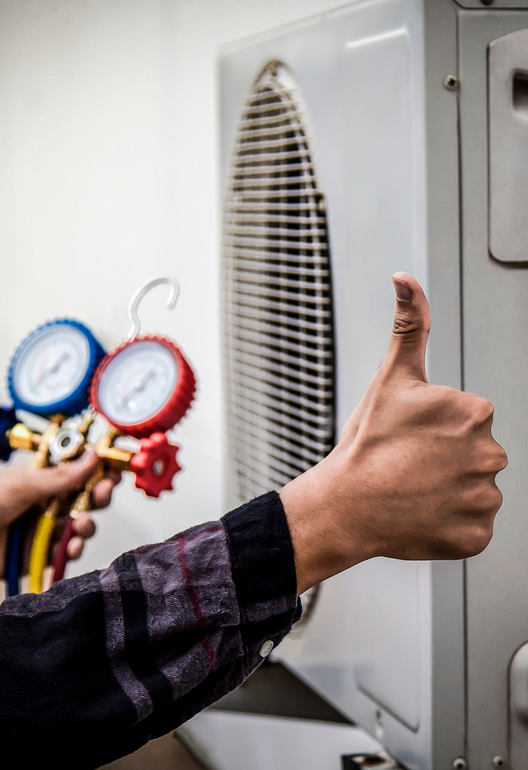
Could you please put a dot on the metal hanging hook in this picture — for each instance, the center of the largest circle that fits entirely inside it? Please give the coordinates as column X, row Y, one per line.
column 140, row 293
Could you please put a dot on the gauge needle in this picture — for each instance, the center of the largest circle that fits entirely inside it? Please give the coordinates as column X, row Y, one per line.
column 51, row 368
column 139, row 386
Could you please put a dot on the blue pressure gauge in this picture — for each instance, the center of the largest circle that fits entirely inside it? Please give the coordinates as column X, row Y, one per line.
column 51, row 370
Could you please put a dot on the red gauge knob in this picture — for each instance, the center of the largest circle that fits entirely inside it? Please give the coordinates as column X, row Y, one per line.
column 155, row 464
column 143, row 386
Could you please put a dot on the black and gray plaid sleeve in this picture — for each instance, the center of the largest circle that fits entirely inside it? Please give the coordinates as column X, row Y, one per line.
column 100, row 664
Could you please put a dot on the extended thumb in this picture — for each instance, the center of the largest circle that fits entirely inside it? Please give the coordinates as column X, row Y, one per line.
column 412, row 321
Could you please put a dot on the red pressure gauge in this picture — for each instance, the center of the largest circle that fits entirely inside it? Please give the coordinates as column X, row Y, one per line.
column 143, row 388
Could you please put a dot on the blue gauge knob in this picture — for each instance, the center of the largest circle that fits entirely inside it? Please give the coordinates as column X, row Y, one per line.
column 51, row 370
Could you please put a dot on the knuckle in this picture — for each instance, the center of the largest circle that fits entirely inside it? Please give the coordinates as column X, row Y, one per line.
column 481, row 539
column 498, row 459
column 64, row 475
column 475, row 540
column 488, row 410
column 405, row 327
column 499, row 499
column 482, row 410
column 491, row 458
column 485, row 501
column 502, row 458
column 466, row 546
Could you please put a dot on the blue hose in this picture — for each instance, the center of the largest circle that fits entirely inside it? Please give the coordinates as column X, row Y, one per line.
column 15, row 545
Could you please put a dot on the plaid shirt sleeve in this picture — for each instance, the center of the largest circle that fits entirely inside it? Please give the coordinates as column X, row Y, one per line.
column 100, row 664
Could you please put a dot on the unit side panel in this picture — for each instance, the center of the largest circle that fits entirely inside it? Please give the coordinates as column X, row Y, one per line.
column 496, row 367
column 444, row 361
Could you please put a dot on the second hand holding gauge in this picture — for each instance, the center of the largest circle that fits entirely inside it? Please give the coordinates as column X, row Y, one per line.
column 143, row 388
column 49, row 376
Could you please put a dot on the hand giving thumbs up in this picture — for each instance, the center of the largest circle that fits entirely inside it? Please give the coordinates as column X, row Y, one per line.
column 413, row 473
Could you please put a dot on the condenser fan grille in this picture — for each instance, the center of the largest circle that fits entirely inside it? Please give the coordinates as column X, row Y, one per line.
column 279, row 351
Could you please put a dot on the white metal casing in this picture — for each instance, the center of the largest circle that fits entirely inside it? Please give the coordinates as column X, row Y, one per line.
column 412, row 651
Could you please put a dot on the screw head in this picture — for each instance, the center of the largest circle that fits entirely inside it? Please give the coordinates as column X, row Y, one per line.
column 498, row 762
column 158, row 466
column 459, row 763
column 451, row 82
column 380, row 727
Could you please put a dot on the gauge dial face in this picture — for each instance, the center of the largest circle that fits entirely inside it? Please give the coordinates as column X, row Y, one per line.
column 137, row 382
column 51, row 365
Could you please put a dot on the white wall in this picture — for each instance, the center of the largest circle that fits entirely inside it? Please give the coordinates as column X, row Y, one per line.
column 108, row 177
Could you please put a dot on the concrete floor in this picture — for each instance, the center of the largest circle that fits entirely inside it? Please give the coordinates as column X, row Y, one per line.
column 167, row 753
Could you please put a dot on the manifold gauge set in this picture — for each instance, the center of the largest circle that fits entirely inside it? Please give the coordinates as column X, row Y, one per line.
column 61, row 372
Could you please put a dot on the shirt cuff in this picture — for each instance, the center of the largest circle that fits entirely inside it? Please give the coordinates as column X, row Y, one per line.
column 261, row 550
column 263, row 570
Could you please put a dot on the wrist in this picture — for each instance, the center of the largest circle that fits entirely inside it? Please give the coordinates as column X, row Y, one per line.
column 325, row 528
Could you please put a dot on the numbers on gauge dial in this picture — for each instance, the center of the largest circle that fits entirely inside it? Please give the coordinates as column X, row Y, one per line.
column 52, row 365
column 138, row 382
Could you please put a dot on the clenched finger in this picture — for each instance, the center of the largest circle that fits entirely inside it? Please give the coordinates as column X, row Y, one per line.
column 75, row 548
column 84, row 526
column 102, row 492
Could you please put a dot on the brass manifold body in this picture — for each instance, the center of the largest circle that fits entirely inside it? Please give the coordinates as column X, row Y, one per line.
column 153, row 465
column 21, row 437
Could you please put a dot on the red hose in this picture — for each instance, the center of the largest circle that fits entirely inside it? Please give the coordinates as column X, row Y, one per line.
column 62, row 557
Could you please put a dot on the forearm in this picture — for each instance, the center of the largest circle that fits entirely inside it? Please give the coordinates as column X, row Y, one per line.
column 111, row 659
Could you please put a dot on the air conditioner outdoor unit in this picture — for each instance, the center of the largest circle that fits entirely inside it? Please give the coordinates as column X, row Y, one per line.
column 387, row 135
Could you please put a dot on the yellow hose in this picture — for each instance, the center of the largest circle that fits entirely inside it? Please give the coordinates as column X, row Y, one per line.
column 41, row 541
column 38, row 559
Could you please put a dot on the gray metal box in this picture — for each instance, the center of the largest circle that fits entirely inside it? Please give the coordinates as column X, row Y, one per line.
column 428, row 175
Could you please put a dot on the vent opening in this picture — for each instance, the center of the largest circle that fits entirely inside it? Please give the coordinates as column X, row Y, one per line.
column 279, row 342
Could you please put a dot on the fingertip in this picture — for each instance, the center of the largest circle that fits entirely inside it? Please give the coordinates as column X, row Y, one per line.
column 411, row 297
column 409, row 284
column 75, row 548
column 102, row 493
column 403, row 276
column 403, row 291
